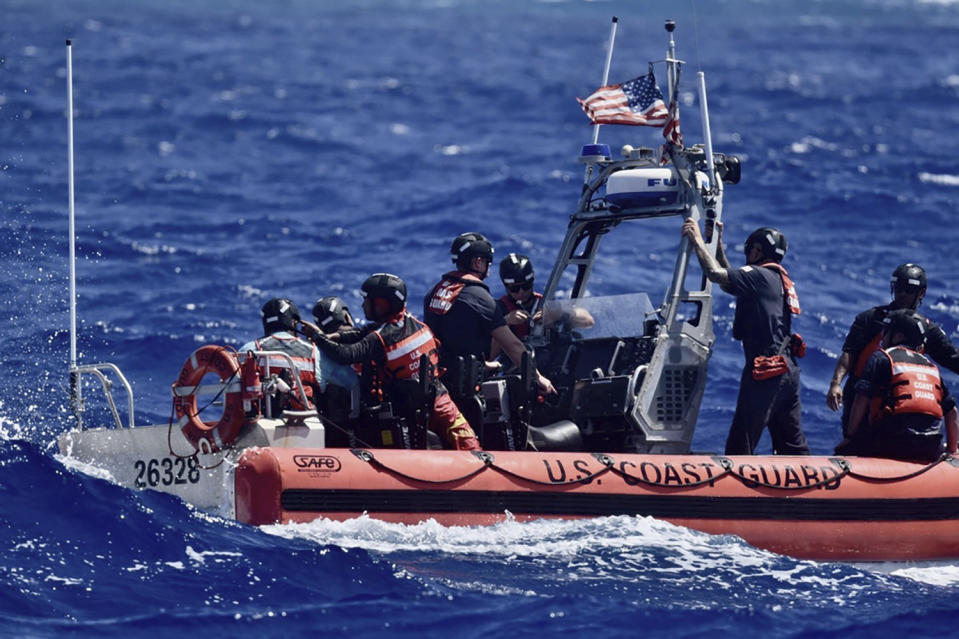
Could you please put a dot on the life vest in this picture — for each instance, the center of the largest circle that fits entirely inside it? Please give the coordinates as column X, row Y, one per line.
column 866, row 353
column 914, row 389
column 871, row 347
column 444, row 294
column 789, row 289
column 404, row 342
column 303, row 355
column 520, row 330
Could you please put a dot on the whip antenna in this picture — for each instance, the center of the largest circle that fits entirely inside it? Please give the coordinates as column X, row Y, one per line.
column 75, row 399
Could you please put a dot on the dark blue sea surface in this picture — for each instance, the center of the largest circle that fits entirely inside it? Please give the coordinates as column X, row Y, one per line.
column 232, row 151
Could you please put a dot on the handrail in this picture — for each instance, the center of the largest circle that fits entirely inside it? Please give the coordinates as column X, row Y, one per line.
column 97, row 371
column 296, row 377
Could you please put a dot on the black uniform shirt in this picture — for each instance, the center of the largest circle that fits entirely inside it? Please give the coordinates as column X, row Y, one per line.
column 761, row 321
column 468, row 327
column 868, row 325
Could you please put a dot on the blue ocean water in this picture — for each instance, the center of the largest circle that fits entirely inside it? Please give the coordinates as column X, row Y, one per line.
column 230, row 151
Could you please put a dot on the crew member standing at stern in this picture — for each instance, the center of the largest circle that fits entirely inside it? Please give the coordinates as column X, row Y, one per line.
column 766, row 300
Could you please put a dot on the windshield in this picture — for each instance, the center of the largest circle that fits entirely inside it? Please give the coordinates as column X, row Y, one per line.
column 595, row 317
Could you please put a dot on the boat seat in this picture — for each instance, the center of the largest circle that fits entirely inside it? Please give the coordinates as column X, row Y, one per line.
column 563, row 435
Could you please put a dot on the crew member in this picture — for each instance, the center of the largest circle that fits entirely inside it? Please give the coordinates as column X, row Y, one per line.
column 521, row 304
column 280, row 317
column 392, row 350
column 766, row 300
column 333, row 318
column 462, row 314
column 907, row 287
column 900, row 398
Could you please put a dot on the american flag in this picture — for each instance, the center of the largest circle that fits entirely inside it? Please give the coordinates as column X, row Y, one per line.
column 638, row 102
column 671, row 129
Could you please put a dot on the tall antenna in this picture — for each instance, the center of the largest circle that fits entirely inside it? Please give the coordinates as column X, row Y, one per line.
column 75, row 399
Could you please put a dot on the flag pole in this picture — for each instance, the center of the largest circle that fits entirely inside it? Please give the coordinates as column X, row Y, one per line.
column 609, row 62
column 671, row 76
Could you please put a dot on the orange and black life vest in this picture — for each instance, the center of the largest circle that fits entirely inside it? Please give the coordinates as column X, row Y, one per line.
column 404, row 342
column 520, row 330
column 866, row 353
column 444, row 294
column 869, row 349
column 915, row 387
column 789, row 289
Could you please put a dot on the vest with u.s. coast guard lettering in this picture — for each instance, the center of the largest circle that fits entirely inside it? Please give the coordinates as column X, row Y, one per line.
column 915, row 387
column 444, row 294
column 405, row 341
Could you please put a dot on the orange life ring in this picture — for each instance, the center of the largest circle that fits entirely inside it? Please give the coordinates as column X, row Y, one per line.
column 209, row 359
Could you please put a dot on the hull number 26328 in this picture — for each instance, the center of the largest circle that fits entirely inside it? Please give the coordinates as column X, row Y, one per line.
column 168, row 471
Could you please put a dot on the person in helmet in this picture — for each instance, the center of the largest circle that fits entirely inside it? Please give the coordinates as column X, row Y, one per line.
column 520, row 306
column 332, row 317
column 766, row 301
column 392, row 351
column 907, row 286
column 900, row 398
column 280, row 318
column 462, row 314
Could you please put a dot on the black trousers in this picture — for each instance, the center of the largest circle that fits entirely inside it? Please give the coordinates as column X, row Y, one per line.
column 771, row 402
column 894, row 438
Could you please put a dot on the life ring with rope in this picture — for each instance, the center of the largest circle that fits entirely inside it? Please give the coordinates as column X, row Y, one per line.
column 221, row 361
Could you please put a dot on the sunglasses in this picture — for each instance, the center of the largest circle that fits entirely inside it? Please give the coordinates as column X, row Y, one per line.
column 516, row 288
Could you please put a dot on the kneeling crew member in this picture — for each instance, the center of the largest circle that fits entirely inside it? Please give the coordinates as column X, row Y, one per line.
column 766, row 300
column 392, row 350
column 907, row 287
column 900, row 399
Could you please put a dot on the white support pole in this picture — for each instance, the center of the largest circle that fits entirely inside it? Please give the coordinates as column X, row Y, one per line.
column 707, row 135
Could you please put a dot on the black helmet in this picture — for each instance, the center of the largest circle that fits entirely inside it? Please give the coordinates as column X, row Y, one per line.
column 330, row 313
column 467, row 247
column 279, row 314
column 772, row 242
column 516, row 269
column 387, row 292
column 908, row 278
column 909, row 324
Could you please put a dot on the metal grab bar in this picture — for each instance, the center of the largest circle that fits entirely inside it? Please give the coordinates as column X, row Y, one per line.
column 289, row 360
column 97, row 371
